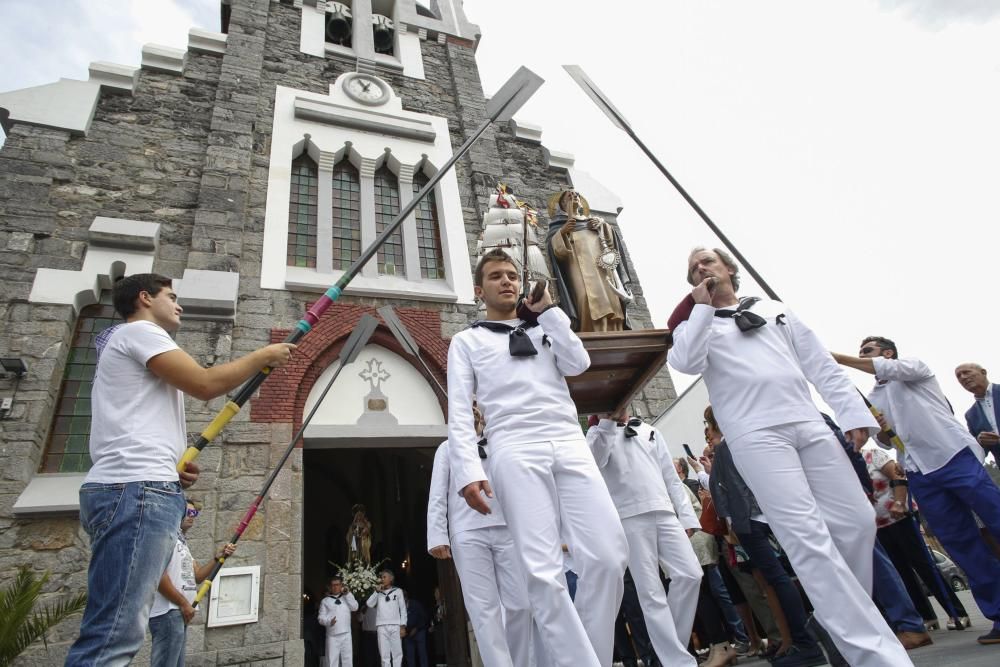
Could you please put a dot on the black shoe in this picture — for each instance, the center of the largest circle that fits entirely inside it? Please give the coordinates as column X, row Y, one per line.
column 991, row 637
column 800, row 656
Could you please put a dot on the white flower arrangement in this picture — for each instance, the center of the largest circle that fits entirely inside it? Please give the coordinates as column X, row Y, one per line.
column 360, row 579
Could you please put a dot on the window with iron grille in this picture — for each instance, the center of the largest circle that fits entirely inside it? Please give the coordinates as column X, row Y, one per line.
column 346, row 215
column 302, row 209
column 390, row 255
column 68, row 446
column 428, row 231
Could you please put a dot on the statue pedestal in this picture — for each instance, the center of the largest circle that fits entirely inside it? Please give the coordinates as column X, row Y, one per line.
column 621, row 363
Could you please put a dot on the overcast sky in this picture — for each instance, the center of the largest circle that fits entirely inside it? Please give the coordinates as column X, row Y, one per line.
column 851, row 150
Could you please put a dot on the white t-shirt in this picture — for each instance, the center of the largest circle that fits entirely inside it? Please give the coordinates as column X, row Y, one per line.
column 138, row 432
column 181, row 573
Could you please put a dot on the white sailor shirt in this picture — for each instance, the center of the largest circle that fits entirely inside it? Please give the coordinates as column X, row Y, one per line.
column 761, row 378
column 339, row 608
column 389, row 606
column 447, row 513
column 523, row 399
column 639, row 472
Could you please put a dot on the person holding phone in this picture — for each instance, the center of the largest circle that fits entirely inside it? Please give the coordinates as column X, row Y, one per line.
column 758, row 360
column 546, row 480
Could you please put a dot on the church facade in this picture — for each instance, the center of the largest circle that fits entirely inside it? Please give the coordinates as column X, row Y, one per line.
column 253, row 168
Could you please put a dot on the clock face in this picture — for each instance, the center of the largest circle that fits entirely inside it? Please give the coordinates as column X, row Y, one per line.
column 366, row 89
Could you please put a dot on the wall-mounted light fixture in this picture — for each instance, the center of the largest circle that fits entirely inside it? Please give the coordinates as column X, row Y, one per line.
column 16, row 367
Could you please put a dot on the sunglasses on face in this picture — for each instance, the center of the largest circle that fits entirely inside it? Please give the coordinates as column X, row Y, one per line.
column 192, row 513
column 868, row 350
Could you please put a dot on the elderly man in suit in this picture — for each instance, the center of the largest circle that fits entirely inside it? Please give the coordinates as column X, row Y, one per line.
column 984, row 414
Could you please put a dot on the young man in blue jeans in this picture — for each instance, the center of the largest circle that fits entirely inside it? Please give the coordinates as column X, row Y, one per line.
column 131, row 502
column 172, row 610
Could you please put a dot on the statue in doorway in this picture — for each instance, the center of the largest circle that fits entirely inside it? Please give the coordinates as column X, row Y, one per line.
column 359, row 537
column 591, row 273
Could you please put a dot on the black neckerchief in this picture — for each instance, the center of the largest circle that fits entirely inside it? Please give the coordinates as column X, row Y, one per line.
column 520, row 344
column 744, row 318
column 336, row 598
column 482, row 448
column 630, row 427
column 386, row 593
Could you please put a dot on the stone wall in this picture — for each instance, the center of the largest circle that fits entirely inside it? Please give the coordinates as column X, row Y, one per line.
column 191, row 153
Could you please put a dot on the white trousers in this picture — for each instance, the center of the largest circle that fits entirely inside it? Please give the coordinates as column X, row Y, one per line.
column 491, row 577
column 813, row 502
column 339, row 650
column 655, row 540
column 390, row 647
column 547, row 489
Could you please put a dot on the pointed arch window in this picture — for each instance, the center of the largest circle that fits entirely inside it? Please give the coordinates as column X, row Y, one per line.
column 428, row 231
column 302, row 221
column 68, row 446
column 390, row 255
column 346, row 215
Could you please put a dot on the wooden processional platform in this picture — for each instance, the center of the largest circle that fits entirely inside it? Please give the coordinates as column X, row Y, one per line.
column 621, row 363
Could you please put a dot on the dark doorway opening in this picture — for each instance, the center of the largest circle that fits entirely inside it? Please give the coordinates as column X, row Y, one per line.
column 393, row 485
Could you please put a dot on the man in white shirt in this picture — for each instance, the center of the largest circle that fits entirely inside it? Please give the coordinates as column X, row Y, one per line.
column 390, row 619
column 943, row 464
column 487, row 566
column 658, row 519
column 546, row 480
column 758, row 360
column 172, row 610
column 335, row 616
column 131, row 501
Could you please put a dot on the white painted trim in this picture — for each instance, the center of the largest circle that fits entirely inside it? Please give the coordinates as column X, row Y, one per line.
column 365, row 148
column 114, row 78
column 557, row 159
column 526, row 131
column 67, row 104
column 55, row 493
column 159, row 58
column 205, row 41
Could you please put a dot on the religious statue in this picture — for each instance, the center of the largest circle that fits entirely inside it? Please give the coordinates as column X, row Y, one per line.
column 359, row 537
column 511, row 225
column 591, row 275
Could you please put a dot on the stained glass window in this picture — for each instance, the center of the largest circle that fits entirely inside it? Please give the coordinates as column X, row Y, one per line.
column 67, row 450
column 390, row 255
column 428, row 232
column 302, row 212
column 346, row 215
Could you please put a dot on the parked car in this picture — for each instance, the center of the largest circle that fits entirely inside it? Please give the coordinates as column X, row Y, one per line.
column 950, row 572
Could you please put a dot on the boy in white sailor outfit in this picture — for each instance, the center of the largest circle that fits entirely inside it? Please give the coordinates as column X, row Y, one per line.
column 545, row 476
column 390, row 619
column 658, row 518
column 335, row 616
column 758, row 360
column 487, row 565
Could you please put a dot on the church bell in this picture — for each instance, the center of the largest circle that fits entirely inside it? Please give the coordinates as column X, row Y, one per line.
column 383, row 33
column 338, row 24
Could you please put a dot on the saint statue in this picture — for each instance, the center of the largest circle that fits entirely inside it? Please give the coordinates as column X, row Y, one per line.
column 359, row 537
column 590, row 271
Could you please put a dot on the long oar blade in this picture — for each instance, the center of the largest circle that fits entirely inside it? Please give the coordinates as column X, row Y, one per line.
column 399, row 330
column 513, row 94
column 358, row 339
column 594, row 93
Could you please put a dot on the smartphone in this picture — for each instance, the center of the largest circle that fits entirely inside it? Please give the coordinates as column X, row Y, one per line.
column 688, row 451
column 538, row 290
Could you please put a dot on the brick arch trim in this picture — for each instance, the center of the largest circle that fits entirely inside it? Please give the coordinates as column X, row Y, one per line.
column 282, row 397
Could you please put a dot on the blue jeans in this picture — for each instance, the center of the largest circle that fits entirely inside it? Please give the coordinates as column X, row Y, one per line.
column 757, row 544
column 133, row 528
column 415, row 648
column 169, row 639
column 947, row 498
column 890, row 594
column 721, row 595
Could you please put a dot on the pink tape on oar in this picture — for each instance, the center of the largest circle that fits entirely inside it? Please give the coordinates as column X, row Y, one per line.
column 248, row 517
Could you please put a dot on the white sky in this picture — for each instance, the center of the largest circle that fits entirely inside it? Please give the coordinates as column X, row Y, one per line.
column 846, row 148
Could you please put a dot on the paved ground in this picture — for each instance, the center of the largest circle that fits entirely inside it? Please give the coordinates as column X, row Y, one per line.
column 950, row 649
